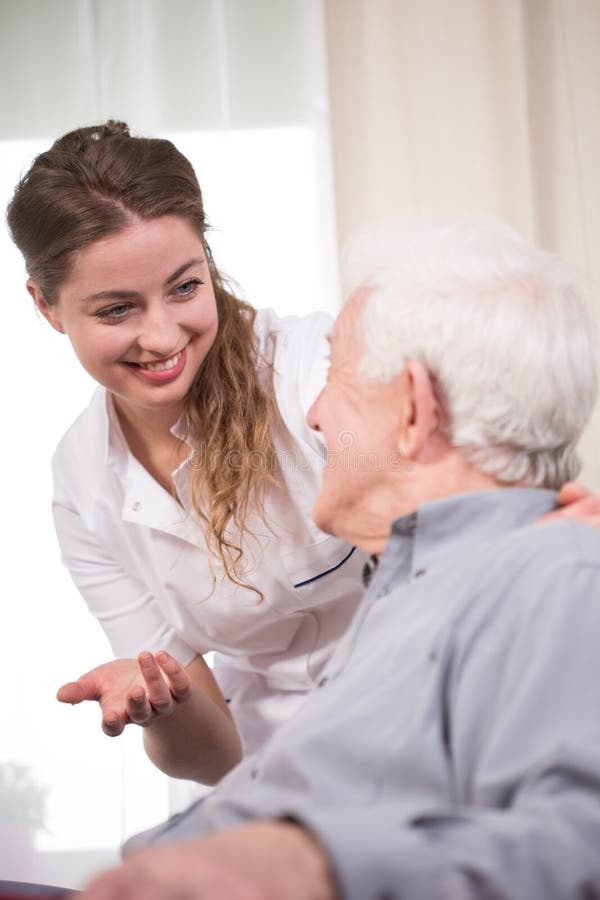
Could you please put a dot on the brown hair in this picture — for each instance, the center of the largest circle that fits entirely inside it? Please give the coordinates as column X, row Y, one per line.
column 86, row 187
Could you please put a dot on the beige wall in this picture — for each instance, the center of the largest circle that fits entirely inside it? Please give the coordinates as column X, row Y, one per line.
column 485, row 105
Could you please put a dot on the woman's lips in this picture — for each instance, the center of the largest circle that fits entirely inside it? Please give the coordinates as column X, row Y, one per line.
column 162, row 370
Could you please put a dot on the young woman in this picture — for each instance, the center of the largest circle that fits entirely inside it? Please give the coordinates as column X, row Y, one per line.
column 183, row 493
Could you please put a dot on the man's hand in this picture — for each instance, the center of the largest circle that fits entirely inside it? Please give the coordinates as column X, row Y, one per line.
column 132, row 691
column 262, row 861
column 576, row 503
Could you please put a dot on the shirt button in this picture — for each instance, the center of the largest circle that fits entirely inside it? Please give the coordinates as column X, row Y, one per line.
column 136, row 505
column 254, row 774
column 419, row 572
column 323, row 682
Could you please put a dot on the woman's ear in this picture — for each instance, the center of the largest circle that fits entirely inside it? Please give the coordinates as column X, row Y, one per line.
column 50, row 313
column 419, row 410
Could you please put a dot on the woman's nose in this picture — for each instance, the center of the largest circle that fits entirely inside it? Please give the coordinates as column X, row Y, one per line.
column 160, row 333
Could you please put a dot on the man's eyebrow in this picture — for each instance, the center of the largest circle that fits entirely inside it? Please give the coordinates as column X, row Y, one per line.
column 128, row 295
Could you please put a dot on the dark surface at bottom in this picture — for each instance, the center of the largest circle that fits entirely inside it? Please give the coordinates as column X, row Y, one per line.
column 20, row 890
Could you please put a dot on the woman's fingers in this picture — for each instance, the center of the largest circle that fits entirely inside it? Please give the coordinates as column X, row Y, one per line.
column 139, row 710
column 157, row 690
column 571, row 492
column 586, row 510
column 88, row 687
column 72, row 692
column 167, row 684
column 113, row 720
column 180, row 682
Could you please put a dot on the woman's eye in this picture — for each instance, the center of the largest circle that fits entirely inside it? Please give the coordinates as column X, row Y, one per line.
column 188, row 288
column 114, row 313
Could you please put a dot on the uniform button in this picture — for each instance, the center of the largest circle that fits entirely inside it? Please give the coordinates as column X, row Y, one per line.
column 136, row 505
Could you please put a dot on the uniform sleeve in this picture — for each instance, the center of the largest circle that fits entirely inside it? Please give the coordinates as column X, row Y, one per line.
column 126, row 610
column 301, row 361
column 531, row 826
column 313, row 348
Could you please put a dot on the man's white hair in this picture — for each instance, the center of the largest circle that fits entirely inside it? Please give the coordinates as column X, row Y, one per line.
column 505, row 330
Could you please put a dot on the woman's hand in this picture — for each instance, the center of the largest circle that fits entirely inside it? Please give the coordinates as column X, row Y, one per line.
column 132, row 691
column 189, row 731
column 576, row 502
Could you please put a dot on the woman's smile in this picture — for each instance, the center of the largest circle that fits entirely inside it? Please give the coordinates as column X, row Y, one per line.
column 163, row 370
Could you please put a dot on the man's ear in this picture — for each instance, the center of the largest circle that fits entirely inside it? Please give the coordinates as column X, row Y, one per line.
column 419, row 410
column 50, row 313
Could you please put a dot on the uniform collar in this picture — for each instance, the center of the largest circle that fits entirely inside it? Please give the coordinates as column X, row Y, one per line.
column 443, row 527
column 145, row 502
column 116, row 449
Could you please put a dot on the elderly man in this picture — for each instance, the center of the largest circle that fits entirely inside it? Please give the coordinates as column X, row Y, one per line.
column 453, row 747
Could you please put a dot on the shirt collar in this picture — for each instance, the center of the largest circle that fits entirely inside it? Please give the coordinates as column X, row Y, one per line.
column 116, row 449
column 442, row 527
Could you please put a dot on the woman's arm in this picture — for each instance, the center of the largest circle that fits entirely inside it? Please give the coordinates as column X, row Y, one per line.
column 199, row 739
column 203, row 744
column 189, row 731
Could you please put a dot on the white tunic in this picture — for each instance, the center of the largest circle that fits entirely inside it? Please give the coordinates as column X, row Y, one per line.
column 140, row 561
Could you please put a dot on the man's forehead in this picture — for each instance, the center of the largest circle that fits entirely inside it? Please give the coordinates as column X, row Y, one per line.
column 344, row 332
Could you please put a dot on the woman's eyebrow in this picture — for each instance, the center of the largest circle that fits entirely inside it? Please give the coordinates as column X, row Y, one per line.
column 109, row 295
column 128, row 295
column 187, row 265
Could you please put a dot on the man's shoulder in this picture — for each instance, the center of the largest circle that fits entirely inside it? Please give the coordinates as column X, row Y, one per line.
column 540, row 573
column 500, row 539
column 535, row 588
column 502, row 582
column 562, row 543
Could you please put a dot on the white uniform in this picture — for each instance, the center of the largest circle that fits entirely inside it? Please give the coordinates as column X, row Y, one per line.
column 140, row 561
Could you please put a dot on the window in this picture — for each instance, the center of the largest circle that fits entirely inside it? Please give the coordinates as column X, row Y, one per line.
column 267, row 192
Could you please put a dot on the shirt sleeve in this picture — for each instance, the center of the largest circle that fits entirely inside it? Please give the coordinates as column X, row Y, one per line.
column 300, row 364
column 536, row 753
column 126, row 610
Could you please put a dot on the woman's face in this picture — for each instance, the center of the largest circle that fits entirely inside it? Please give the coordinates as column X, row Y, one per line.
column 139, row 309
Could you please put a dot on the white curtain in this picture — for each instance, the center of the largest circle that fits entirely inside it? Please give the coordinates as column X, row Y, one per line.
column 240, row 86
column 472, row 105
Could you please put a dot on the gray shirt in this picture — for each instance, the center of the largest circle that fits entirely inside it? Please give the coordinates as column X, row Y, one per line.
column 452, row 748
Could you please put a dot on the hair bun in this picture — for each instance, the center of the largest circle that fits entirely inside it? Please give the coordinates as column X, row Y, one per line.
column 80, row 140
column 113, row 127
